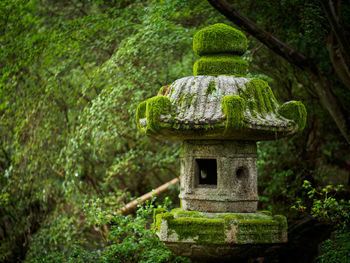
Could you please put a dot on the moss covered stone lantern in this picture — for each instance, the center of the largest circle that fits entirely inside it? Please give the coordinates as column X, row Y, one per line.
column 219, row 114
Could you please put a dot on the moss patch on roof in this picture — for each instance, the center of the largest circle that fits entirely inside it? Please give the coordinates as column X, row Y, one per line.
column 233, row 106
column 259, row 97
column 151, row 109
column 219, row 38
column 211, row 88
column 214, row 65
column 296, row 111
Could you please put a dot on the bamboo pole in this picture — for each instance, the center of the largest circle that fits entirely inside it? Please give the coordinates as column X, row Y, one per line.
column 131, row 206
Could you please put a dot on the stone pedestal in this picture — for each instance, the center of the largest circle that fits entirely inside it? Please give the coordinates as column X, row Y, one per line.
column 219, row 176
column 206, row 236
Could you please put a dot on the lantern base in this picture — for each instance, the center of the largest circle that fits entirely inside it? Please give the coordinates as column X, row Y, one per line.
column 212, row 236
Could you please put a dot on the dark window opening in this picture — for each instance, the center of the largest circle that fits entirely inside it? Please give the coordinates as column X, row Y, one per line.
column 206, row 172
column 241, row 172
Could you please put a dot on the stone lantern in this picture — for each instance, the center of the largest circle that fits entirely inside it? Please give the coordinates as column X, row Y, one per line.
column 219, row 114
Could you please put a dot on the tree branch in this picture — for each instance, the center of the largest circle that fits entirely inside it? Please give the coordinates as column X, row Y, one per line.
column 276, row 45
column 322, row 88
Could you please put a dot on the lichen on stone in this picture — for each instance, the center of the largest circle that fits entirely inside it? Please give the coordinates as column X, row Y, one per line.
column 219, row 38
column 221, row 64
column 211, row 88
column 296, row 111
column 233, row 107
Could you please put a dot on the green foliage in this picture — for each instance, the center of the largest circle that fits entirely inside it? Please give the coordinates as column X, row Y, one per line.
column 130, row 239
column 326, row 206
column 336, row 249
column 233, row 107
column 219, row 38
column 272, row 167
column 214, row 65
column 296, row 111
column 136, row 243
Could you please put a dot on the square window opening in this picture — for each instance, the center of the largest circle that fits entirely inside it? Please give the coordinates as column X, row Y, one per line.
column 206, row 173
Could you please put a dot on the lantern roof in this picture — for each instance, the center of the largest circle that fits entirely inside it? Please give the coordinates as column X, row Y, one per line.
column 220, row 101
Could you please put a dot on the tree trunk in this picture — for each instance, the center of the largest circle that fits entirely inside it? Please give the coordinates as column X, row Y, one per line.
column 337, row 44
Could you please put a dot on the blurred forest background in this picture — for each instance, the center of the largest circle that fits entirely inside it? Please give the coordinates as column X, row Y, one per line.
column 71, row 75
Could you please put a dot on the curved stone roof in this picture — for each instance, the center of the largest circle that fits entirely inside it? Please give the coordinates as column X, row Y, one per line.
column 196, row 110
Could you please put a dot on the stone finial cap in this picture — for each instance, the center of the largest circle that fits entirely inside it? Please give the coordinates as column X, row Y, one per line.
column 219, row 38
column 219, row 47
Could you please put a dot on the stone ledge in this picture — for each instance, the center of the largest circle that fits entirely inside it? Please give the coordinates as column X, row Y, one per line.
column 218, row 203
column 220, row 228
column 194, row 233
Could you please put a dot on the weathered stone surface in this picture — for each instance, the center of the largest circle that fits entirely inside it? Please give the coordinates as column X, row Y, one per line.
column 196, row 111
column 235, row 189
column 218, row 235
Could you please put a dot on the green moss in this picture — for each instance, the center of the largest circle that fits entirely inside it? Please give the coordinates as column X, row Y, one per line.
column 282, row 220
column 157, row 211
column 155, row 107
column 259, row 97
column 211, row 229
column 140, row 114
column 183, row 213
column 211, row 87
column 233, row 218
column 214, row 65
column 296, row 111
column 157, row 222
column 175, row 210
column 189, row 99
column 181, row 100
column 202, row 230
column 151, row 109
column 219, row 38
column 233, row 107
column 172, row 91
column 266, row 212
